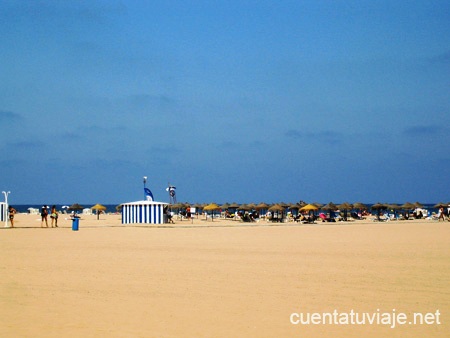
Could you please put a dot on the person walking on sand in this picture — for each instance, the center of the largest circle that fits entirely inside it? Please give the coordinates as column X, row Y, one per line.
column 44, row 214
column 54, row 215
column 441, row 214
column 12, row 212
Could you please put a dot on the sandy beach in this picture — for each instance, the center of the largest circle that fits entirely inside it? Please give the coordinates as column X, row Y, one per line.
column 221, row 278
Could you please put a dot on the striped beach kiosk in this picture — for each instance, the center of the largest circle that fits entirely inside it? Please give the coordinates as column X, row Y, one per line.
column 150, row 212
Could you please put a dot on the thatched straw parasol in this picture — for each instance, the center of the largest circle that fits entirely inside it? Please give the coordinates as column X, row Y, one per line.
column 440, row 205
column 99, row 208
column 346, row 207
column 244, row 207
column 379, row 207
column 262, row 205
column 276, row 207
column 330, row 207
column 75, row 207
column 225, row 206
column 408, row 206
column 211, row 207
column 360, row 206
column 309, row 207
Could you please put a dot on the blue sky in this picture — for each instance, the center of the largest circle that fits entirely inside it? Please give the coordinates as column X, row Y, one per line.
column 244, row 101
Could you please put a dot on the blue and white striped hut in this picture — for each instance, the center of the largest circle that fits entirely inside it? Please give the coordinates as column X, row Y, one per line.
column 143, row 212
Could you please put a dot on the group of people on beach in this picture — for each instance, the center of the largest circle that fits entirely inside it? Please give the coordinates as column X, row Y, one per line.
column 44, row 216
column 53, row 216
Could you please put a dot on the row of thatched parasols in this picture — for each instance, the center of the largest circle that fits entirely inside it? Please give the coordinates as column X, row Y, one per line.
column 302, row 206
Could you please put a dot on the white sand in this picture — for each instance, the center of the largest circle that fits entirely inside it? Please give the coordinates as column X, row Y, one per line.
column 219, row 279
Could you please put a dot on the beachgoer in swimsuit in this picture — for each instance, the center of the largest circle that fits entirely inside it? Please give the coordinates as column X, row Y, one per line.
column 12, row 212
column 44, row 214
column 54, row 216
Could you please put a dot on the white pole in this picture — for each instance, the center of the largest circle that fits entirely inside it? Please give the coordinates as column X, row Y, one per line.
column 145, row 193
column 7, row 208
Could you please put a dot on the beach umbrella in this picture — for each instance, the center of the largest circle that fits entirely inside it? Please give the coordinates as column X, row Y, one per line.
column 244, row 207
column 98, row 208
column 346, row 207
column 294, row 206
column 262, row 205
column 234, row 205
column 330, row 207
column 233, row 208
column 225, row 206
column 278, row 209
column 76, row 207
column 418, row 205
column 408, row 206
column 284, row 205
column 379, row 207
column 211, row 207
column 309, row 207
column 251, row 206
column 359, row 205
column 394, row 207
column 440, row 205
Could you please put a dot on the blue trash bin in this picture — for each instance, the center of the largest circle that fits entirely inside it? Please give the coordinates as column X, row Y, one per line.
column 75, row 222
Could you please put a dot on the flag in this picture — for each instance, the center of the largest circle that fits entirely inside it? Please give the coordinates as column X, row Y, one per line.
column 148, row 194
column 171, row 190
